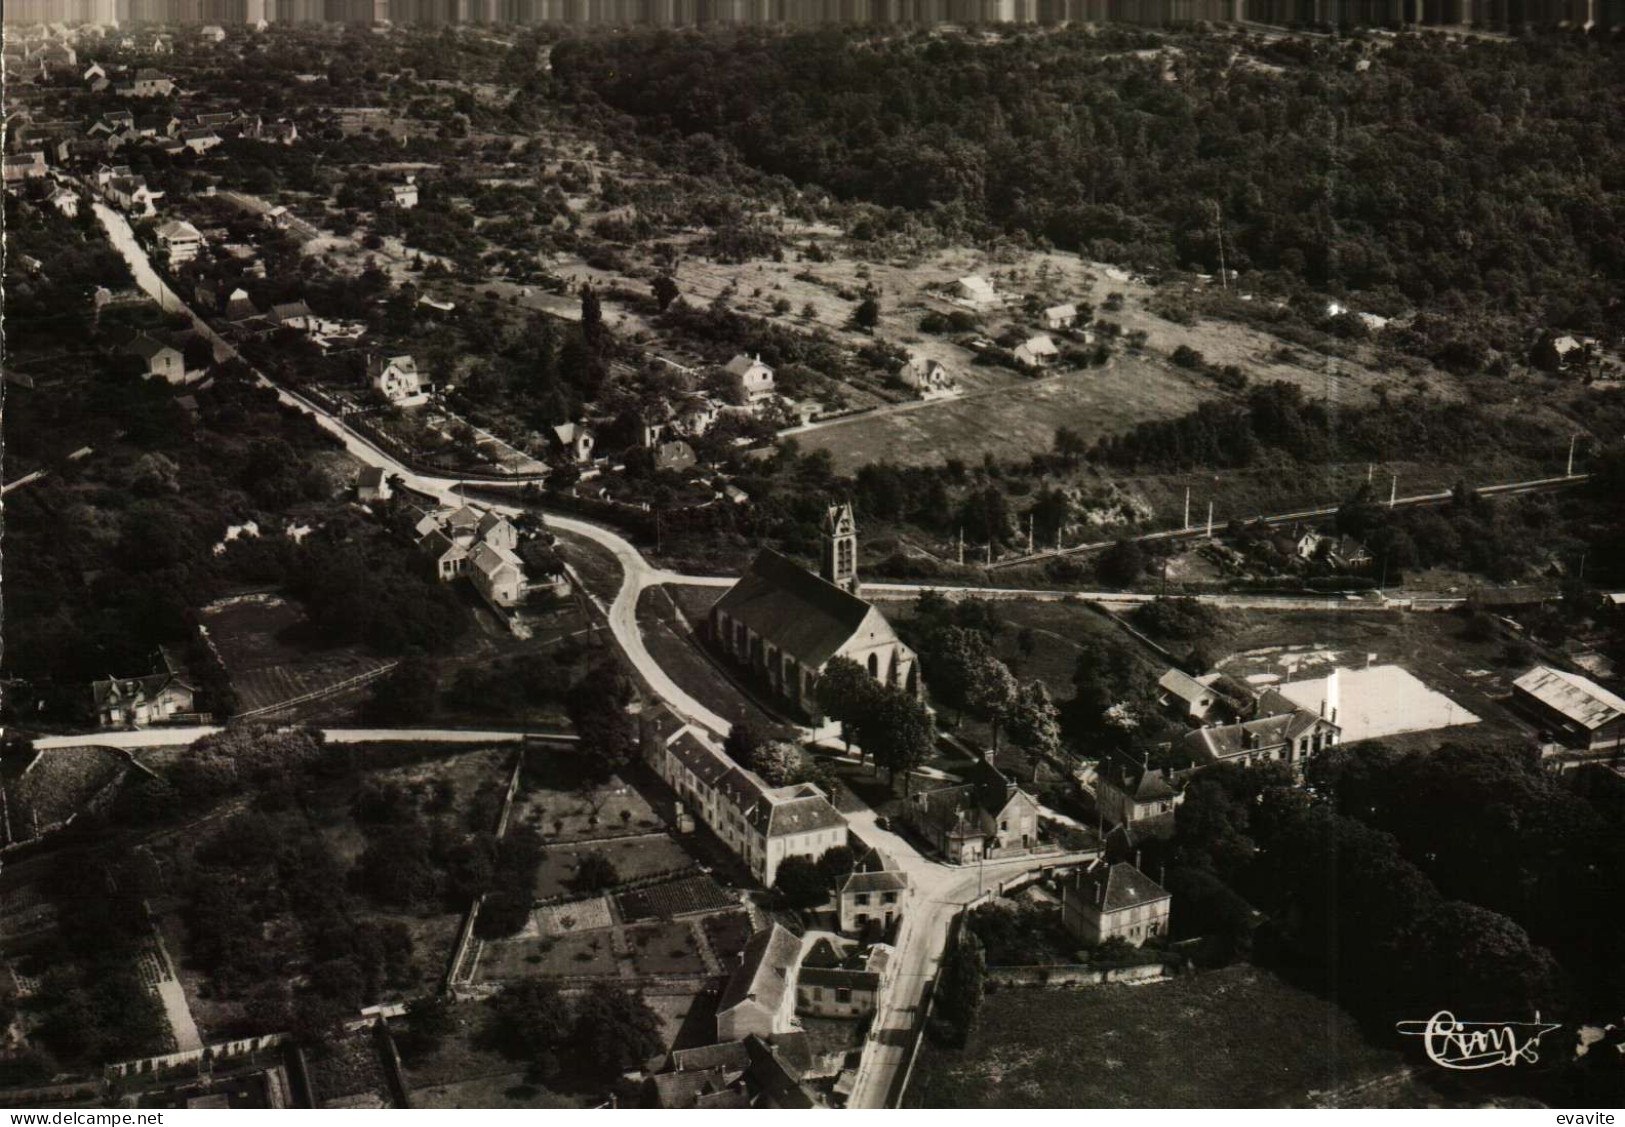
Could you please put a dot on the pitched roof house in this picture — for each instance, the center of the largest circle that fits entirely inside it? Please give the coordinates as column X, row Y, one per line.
column 1036, row 352
column 1107, row 901
column 753, row 378
column 991, row 817
column 928, row 378
column 576, row 440
column 122, row 702
column 162, row 359
column 1060, row 316
column 871, row 897
column 397, row 378
column 759, row 996
column 975, row 290
column 1126, row 793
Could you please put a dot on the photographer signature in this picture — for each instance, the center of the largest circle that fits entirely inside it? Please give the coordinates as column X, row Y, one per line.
column 1468, row 1045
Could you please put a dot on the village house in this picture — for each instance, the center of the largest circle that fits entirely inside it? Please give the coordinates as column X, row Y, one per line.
column 992, row 817
column 1114, row 901
column 756, row 1072
column 1280, row 732
column 975, row 290
column 696, row 415
column 25, row 166
column 1126, row 793
column 161, row 359
column 124, row 702
column 272, row 132
column 927, row 378
column 200, row 140
column 240, row 307
column 786, row 624
column 397, row 379
column 151, row 84
column 759, row 997
column 131, row 194
column 179, row 241
column 832, row 984
column 372, row 485
column 498, row 574
column 1036, row 352
column 1061, row 316
column 871, row 898
column 762, row 825
column 575, row 441
column 404, row 196
column 93, row 72
column 66, row 202
column 1186, row 698
column 1577, row 710
column 752, row 379
column 292, row 315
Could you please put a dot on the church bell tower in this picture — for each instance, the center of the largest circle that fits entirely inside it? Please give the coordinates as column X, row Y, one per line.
column 839, row 561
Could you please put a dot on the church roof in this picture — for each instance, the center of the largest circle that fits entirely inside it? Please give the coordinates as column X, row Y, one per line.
column 802, row 614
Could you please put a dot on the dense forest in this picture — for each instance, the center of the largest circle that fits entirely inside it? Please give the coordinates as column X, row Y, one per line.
column 1477, row 178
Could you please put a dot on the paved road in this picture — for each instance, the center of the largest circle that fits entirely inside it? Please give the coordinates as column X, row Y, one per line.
column 638, row 573
column 938, row 893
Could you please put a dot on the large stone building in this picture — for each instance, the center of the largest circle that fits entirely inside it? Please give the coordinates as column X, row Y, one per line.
column 786, row 624
column 761, row 824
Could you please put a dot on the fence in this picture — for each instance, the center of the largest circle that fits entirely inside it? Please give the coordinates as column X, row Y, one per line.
column 1067, row 974
column 208, row 1054
column 317, row 694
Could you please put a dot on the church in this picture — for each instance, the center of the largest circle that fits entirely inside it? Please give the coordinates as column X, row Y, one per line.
column 787, row 624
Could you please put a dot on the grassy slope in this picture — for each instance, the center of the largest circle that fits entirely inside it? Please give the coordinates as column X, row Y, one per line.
column 1234, row 1038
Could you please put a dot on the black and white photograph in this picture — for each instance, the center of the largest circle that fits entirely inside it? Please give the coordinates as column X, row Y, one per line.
column 625, row 555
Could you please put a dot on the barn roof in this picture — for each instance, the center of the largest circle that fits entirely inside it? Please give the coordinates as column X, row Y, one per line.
column 1578, row 698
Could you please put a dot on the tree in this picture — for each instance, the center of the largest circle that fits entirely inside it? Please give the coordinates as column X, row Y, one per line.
column 900, row 733
column 800, row 883
column 532, row 1021
column 592, row 317
column 597, row 707
column 777, row 761
column 846, row 694
column 991, row 690
column 867, row 314
column 1070, row 446
column 837, row 864
column 1122, row 564
column 1034, row 721
column 595, row 871
column 429, row 1021
column 615, row 1031
column 1476, row 963
column 959, row 989
column 665, row 291
column 741, row 743
column 408, row 694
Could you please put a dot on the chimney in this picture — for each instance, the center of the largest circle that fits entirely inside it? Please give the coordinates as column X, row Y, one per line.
column 1334, row 716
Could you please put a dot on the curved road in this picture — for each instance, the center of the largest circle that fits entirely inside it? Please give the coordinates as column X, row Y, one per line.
column 637, row 572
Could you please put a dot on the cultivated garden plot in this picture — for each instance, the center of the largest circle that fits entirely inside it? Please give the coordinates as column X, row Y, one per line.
column 633, row 858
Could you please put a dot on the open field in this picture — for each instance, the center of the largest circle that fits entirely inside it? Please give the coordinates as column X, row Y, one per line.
column 1239, row 1037
column 679, row 654
column 525, row 956
column 1016, row 421
column 266, row 643
column 463, row 1072
column 633, row 857
column 560, row 797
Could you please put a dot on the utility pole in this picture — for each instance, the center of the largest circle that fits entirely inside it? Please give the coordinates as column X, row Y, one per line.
column 1029, row 534
column 1186, row 526
column 1218, row 224
column 961, row 545
column 1210, row 520
column 1393, row 491
column 1573, row 438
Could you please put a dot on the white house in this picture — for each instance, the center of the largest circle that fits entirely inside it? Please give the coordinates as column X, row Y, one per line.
column 929, row 379
column 404, row 196
column 180, row 242
column 576, row 440
column 976, row 290
column 398, row 379
column 1037, row 352
column 753, row 378
column 1061, row 316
